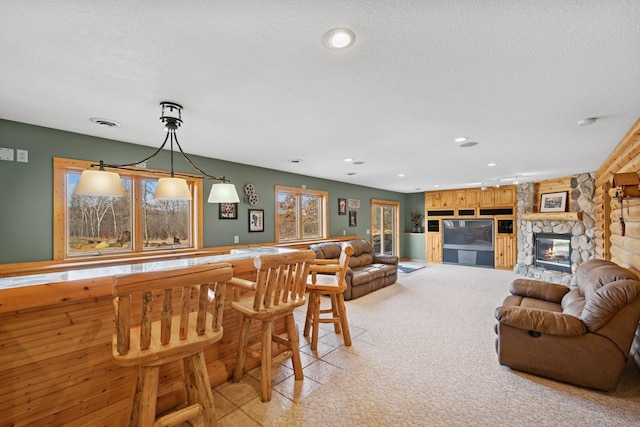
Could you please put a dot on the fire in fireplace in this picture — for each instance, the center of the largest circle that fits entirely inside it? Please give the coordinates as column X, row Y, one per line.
column 553, row 251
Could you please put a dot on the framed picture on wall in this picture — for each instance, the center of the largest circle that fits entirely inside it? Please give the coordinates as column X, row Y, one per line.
column 553, row 202
column 342, row 206
column 353, row 220
column 256, row 220
column 228, row 211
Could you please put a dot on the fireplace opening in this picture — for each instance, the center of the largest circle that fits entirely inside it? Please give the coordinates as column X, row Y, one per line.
column 553, row 251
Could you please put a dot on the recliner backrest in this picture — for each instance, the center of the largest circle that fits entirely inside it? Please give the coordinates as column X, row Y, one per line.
column 601, row 275
column 362, row 253
column 605, row 302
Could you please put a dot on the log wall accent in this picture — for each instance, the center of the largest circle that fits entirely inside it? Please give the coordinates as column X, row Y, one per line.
column 610, row 243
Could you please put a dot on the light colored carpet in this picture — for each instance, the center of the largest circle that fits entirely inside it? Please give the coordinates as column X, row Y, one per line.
column 427, row 358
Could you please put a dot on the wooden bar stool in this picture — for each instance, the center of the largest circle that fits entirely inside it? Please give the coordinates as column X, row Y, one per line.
column 334, row 286
column 158, row 338
column 278, row 289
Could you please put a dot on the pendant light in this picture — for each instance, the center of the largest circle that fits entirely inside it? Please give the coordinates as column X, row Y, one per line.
column 101, row 182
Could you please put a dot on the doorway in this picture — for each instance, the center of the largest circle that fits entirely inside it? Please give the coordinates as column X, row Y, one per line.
column 384, row 227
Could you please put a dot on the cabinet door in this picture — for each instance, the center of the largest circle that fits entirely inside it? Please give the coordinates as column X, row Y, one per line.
column 447, row 199
column 460, row 198
column 432, row 200
column 473, row 198
column 505, row 196
column 434, row 247
column 487, row 198
column 505, row 254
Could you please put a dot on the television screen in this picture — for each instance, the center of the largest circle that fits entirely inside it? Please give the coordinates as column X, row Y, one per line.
column 470, row 234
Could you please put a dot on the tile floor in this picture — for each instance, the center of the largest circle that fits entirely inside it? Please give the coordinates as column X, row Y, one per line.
column 239, row 404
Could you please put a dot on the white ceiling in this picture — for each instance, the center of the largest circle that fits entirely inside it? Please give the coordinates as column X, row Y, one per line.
column 259, row 87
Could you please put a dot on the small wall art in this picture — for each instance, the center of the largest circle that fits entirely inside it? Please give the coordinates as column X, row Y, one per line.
column 553, row 202
column 342, row 206
column 256, row 220
column 228, row 211
column 354, row 203
column 353, row 220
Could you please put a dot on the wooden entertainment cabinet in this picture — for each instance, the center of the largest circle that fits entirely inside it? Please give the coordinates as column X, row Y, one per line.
column 498, row 204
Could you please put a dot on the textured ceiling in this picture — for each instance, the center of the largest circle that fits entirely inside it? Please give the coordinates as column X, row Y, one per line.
column 259, row 87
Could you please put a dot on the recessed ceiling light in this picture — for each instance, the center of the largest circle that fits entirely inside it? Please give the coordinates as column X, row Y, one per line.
column 359, row 162
column 587, row 122
column 468, row 144
column 461, row 139
column 401, row 175
column 339, row 38
column 436, row 186
column 491, row 164
column 348, row 159
column 104, row 122
column 351, row 173
column 295, row 161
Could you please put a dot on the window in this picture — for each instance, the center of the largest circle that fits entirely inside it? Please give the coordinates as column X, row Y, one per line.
column 122, row 226
column 300, row 214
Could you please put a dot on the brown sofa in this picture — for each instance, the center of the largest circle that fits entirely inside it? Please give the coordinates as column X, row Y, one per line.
column 580, row 335
column 367, row 271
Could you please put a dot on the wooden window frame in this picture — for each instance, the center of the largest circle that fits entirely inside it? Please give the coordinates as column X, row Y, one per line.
column 60, row 168
column 324, row 199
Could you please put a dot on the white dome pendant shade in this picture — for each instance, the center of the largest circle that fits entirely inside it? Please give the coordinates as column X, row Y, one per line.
column 172, row 189
column 99, row 183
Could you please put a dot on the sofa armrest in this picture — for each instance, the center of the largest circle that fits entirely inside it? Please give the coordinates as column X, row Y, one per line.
column 538, row 289
column 542, row 321
column 386, row 259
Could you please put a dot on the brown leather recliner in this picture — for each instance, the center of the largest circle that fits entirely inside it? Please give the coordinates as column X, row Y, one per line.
column 580, row 335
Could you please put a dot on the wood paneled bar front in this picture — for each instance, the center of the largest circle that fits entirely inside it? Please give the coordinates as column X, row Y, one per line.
column 55, row 339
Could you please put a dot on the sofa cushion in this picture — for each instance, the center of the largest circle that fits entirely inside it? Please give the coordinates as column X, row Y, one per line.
column 387, row 269
column 361, row 276
column 329, row 250
column 376, row 273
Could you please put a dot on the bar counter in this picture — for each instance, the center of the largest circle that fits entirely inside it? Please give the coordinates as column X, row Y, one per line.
column 55, row 340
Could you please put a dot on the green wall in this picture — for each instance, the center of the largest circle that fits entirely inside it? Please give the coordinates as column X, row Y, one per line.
column 26, row 194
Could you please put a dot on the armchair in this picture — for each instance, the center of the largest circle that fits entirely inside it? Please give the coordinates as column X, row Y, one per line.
column 580, row 335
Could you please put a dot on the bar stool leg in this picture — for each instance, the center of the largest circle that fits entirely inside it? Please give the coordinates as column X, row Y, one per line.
column 308, row 321
column 343, row 320
column 316, row 323
column 335, row 313
column 294, row 345
column 198, row 387
column 244, row 338
column 265, row 361
column 143, row 412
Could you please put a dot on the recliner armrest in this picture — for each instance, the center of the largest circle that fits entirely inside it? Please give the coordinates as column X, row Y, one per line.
column 538, row 289
column 542, row 321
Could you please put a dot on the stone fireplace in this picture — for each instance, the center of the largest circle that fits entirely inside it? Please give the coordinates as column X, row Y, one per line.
column 581, row 233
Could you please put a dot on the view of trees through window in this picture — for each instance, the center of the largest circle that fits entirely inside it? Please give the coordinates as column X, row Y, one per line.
column 300, row 215
column 105, row 224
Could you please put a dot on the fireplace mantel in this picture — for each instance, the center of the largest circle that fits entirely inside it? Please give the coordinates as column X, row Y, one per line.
column 552, row 216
